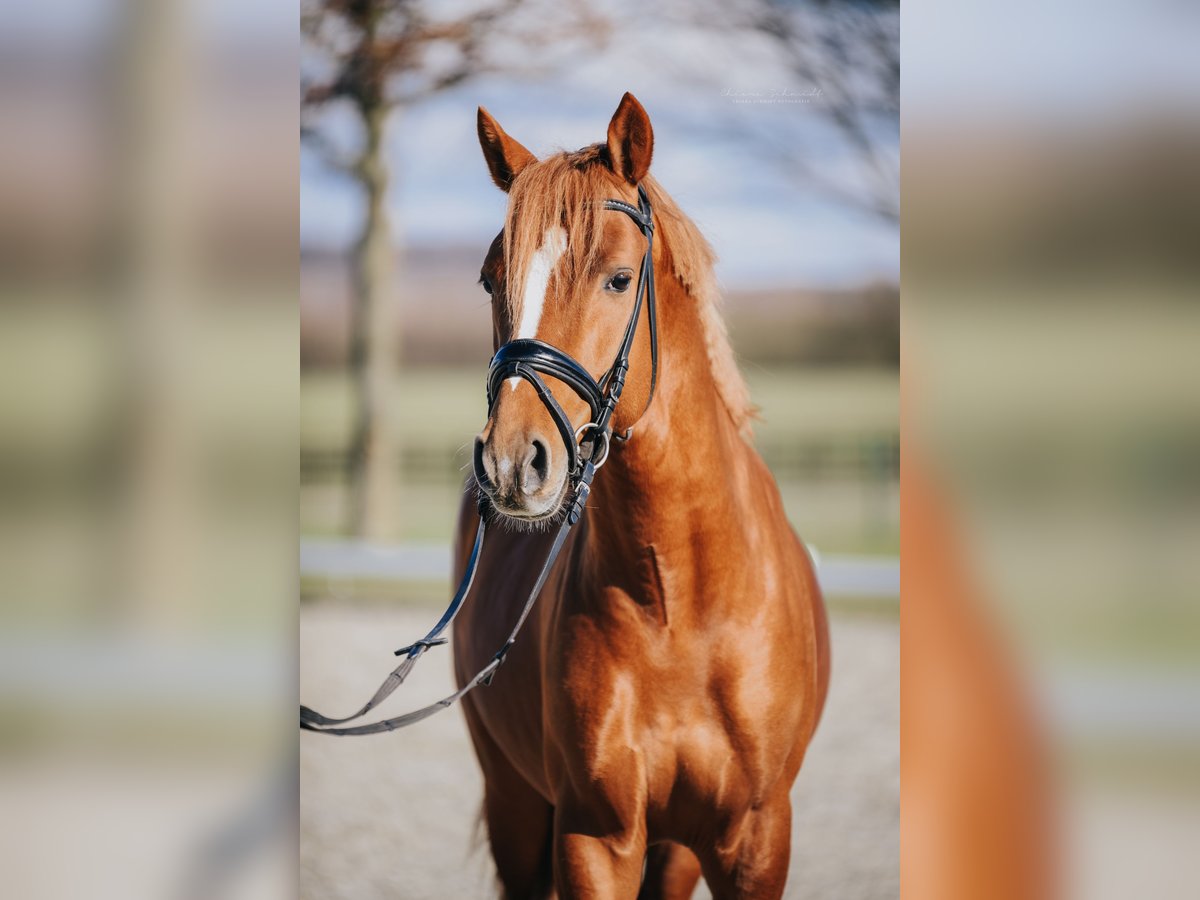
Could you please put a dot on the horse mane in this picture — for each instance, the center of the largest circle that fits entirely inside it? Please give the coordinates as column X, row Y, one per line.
column 567, row 190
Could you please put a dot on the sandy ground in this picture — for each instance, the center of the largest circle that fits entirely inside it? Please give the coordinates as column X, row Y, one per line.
column 395, row 815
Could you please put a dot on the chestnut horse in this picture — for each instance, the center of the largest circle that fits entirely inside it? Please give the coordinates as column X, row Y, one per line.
column 649, row 723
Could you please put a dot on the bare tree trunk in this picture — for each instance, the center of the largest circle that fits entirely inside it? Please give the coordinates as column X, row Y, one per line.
column 157, row 305
column 374, row 456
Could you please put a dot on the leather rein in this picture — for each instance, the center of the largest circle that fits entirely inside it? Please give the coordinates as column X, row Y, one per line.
column 587, row 450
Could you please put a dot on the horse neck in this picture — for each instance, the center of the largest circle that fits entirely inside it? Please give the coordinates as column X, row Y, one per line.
column 682, row 482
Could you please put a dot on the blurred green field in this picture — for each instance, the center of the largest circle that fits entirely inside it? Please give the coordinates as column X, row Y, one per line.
column 831, row 436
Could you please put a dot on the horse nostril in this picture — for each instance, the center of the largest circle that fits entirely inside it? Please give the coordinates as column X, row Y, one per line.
column 537, row 466
column 484, row 463
column 541, row 459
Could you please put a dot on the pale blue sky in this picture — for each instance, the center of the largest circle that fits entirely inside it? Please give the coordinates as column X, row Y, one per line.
column 768, row 229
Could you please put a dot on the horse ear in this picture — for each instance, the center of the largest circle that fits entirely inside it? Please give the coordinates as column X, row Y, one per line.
column 505, row 157
column 630, row 140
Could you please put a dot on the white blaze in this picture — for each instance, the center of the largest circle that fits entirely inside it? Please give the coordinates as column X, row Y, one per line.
column 537, row 280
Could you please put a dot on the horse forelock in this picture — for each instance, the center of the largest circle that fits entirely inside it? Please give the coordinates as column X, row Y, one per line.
column 567, row 191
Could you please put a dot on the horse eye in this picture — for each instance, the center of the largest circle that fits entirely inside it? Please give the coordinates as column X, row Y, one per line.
column 620, row 282
column 487, row 285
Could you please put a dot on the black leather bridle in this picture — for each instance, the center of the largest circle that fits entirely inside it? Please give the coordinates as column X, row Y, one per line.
column 530, row 359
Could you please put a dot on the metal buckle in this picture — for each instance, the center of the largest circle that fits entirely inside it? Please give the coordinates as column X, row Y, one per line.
column 600, row 434
column 412, row 649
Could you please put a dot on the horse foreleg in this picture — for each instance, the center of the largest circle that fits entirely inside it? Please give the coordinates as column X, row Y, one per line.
column 518, row 829
column 749, row 860
column 518, row 820
column 672, row 871
column 592, row 863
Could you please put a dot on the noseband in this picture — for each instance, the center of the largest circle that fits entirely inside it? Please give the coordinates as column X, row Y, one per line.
column 530, row 359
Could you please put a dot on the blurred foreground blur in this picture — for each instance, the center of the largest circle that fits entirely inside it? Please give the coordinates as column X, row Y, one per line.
column 147, row 462
column 1051, row 732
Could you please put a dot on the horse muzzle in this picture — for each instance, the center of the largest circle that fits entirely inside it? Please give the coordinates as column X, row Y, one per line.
column 524, row 476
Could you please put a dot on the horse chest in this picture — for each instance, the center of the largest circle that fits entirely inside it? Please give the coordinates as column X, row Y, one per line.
column 680, row 734
column 669, row 703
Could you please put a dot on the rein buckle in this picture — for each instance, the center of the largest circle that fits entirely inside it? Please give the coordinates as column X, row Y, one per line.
column 421, row 646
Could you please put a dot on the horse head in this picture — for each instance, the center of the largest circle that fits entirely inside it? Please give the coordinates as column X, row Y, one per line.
column 566, row 277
